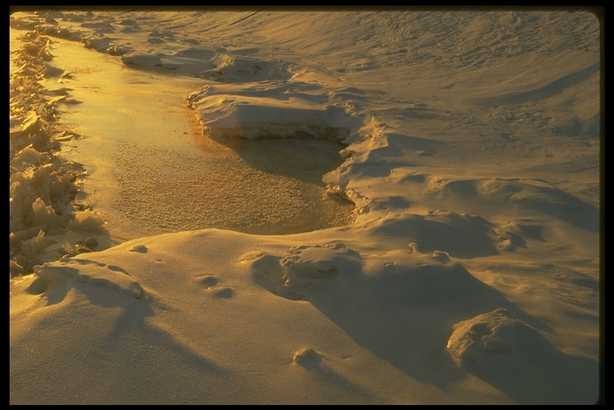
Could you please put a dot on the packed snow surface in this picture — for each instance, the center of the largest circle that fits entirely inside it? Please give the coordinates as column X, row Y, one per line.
column 466, row 149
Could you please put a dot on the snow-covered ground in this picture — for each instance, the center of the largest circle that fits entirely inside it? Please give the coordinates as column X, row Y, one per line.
column 467, row 273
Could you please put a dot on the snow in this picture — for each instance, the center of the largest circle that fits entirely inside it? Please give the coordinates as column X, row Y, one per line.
column 514, row 354
column 468, row 273
column 254, row 118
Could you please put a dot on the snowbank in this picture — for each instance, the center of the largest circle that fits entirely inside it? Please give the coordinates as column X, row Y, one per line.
column 42, row 184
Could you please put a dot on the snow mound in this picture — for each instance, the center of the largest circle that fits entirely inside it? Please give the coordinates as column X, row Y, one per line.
column 527, row 194
column 282, row 90
column 70, row 272
column 336, row 272
column 494, row 336
column 212, row 64
column 230, row 68
column 302, row 269
column 516, row 357
column 105, row 44
column 275, row 109
column 380, row 149
column 459, row 234
column 225, row 116
column 306, row 266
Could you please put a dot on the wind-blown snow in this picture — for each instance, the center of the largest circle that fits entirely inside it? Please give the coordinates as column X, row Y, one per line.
column 470, row 273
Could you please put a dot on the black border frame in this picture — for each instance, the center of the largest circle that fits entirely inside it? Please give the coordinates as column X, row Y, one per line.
column 597, row 7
